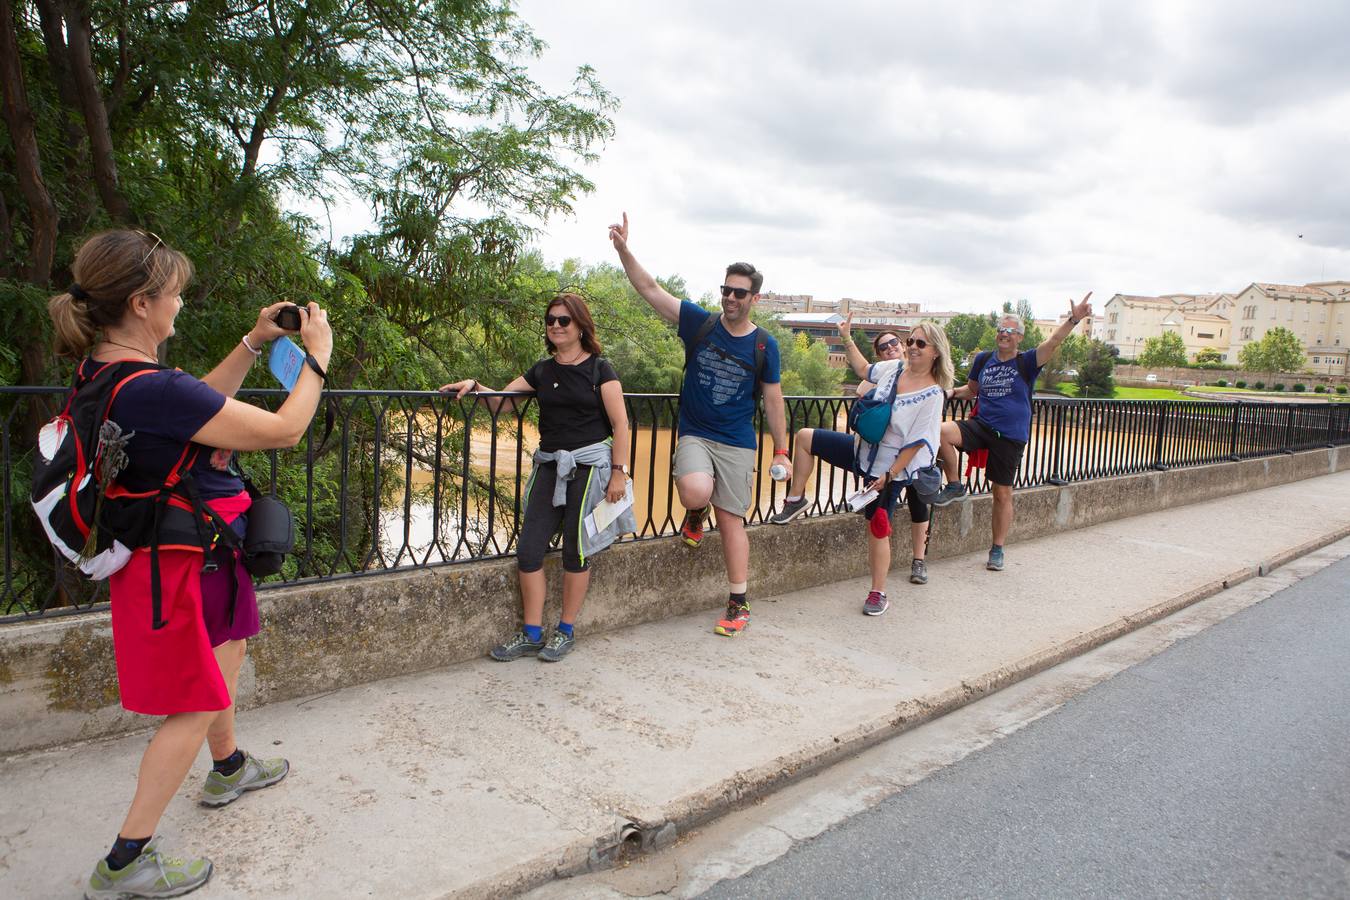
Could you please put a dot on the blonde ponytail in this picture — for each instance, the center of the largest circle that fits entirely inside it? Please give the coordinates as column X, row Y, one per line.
column 74, row 328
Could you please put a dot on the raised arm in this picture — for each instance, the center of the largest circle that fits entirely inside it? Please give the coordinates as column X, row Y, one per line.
column 666, row 306
column 229, row 374
column 240, row 426
column 1077, row 313
column 856, row 361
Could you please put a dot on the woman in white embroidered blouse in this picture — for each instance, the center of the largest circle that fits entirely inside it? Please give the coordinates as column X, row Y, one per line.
column 916, row 386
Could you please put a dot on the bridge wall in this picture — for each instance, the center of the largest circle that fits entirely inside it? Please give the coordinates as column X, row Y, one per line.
column 58, row 679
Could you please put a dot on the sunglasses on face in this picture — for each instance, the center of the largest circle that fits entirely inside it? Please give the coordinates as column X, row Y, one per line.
column 741, row 293
column 561, row 321
column 1003, row 329
column 888, row 345
column 916, row 342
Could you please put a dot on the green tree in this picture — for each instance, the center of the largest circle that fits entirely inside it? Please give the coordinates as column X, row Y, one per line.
column 1208, row 356
column 1166, row 350
column 1069, row 357
column 1095, row 373
column 1279, row 350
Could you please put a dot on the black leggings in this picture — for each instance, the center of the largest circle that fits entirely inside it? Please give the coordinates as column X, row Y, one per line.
column 542, row 519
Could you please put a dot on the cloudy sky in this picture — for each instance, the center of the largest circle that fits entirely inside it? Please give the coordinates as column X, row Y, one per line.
column 965, row 153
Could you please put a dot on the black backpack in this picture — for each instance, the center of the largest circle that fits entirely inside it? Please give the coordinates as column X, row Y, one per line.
column 701, row 336
column 91, row 520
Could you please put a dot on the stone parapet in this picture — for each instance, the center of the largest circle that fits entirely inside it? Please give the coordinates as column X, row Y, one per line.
column 58, row 679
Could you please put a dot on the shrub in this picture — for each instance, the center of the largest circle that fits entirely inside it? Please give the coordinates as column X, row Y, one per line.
column 1260, row 385
column 1340, row 389
column 1300, row 387
column 1222, row 382
column 1240, row 384
column 1277, row 387
column 1320, row 389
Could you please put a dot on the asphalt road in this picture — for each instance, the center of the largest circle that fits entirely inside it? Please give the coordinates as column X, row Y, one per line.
column 1219, row 768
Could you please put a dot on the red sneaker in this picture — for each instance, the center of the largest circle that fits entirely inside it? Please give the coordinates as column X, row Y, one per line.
column 691, row 530
column 737, row 620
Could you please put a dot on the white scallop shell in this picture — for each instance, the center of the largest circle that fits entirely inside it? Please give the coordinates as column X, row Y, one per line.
column 51, row 436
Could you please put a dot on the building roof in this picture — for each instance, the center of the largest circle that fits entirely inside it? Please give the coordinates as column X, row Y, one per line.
column 811, row 319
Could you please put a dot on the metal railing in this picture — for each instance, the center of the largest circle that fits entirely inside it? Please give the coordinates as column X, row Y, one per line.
column 414, row 478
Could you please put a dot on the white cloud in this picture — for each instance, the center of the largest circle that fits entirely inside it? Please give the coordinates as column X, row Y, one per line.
column 966, row 154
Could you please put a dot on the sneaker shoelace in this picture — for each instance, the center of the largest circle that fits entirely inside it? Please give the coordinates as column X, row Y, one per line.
column 557, row 640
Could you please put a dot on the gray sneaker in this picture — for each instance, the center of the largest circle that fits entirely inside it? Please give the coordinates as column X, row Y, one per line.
column 519, row 645
column 151, row 874
column 559, row 645
column 995, row 563
column 954, row 490
column 918, row 572
column 791, row 510
column 253, row 775
column 876, row 604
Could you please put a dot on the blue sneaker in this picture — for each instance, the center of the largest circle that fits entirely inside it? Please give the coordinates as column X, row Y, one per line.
column 995, row 563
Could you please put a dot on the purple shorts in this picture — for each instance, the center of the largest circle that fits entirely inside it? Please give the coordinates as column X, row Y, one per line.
column 217, row 588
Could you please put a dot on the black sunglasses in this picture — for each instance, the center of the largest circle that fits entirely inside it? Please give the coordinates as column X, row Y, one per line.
column 741, row 293
column 916, row 342
column 888, row 345
column 560, row 321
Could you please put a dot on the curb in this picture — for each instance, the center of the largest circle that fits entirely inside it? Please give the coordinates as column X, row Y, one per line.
column 638, row 832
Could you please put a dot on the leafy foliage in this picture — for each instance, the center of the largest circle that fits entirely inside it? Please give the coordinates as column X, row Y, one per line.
column 1167, row 350
column 1279, row 350
column 1095, row 372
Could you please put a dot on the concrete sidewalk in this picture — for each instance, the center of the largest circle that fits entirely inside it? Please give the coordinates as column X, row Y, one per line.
column 486, row 778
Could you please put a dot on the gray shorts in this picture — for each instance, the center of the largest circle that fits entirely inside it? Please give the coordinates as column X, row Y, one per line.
column 732, row 469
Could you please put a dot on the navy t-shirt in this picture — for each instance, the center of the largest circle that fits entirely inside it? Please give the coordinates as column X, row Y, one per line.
column 1005, row 392
column 166, row 409
column 717, row 400
column 571, row 413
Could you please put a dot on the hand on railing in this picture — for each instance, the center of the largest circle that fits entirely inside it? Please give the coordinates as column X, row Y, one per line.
column 459, row 388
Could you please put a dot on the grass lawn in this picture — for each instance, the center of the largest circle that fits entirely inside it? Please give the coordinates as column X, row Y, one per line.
column 1069, row 389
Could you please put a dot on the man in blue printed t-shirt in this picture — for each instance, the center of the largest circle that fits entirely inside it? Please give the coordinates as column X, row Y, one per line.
column 1003, row 381
column 716, row 452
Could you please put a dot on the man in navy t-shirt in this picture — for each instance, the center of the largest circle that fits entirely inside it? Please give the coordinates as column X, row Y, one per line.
column 716, row 453
column 1003, row 381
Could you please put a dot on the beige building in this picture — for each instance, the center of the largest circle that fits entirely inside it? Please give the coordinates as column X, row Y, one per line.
column 895, row 314
column 1315, row 312
column 1127, row 321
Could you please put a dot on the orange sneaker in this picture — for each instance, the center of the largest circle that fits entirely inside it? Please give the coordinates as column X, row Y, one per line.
column 737, row 620
column 691, row 530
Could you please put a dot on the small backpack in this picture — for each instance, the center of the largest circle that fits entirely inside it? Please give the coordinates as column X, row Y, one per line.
column 869, row 417
column 89, row 518
column 701, row 336
column 76, row 454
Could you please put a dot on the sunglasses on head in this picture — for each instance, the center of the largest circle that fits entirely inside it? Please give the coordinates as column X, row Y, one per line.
column 916, row 342
column 888, row 345
column 741, row 293
column 561, row 321
column 159, row 242
column 1006, row 329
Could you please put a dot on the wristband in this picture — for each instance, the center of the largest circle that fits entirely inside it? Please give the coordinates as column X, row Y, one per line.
column 318, row 369
column 780, row 453
column 249, row 347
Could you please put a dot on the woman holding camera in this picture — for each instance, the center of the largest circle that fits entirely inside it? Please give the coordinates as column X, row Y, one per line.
column 179, row 628
column 582, row 460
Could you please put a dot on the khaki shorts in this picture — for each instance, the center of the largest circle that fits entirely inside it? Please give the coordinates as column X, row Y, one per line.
column 732, row 469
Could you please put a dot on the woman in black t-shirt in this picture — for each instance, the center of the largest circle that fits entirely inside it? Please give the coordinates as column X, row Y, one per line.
column 580, row 409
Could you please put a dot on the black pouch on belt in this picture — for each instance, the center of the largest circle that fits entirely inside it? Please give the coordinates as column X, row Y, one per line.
column 269, row 535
